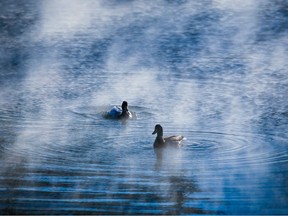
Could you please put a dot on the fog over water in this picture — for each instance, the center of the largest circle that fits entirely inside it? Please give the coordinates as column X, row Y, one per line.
column 214, row 71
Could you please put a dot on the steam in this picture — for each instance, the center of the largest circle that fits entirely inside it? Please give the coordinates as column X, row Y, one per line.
column 212, row 66
column 141, row 57
column 64, row 16
column 202, row 66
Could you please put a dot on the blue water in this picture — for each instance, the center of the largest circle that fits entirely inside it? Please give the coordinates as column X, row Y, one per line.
column 212, row 71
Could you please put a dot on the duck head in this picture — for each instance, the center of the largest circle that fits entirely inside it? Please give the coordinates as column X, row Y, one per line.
column 124, row 106
column 158, row 130
column 125, row 113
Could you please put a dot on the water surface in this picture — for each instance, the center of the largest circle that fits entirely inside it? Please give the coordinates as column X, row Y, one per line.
column 213, row 71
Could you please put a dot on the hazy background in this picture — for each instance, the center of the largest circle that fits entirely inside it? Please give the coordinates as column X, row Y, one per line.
column 212, row 70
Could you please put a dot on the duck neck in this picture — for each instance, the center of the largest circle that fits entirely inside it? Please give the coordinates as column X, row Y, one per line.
column 124, row 108
column 159, row 141
column 160, row 134
column 124, row 114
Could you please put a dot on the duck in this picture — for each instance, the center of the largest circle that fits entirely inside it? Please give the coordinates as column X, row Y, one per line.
column 126, row 114
column 120, row 113
column 171, row 141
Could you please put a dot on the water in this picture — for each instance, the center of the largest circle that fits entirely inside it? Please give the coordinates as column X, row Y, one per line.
column 213, row 71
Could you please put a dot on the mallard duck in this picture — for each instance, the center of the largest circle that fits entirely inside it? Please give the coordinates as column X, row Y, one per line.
column 171, row 141
column 120, row 113
column 126, row 114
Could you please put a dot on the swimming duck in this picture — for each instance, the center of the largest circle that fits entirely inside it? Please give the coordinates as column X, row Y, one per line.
column 171, row 141
column 126, row 114
column 120, row 113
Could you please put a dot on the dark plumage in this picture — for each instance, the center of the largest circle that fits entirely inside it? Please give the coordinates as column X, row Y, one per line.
column 119, row 113
column 125, row 112
column 171, row 141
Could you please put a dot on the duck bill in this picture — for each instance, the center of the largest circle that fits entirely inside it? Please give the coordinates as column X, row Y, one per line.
column 154, row 132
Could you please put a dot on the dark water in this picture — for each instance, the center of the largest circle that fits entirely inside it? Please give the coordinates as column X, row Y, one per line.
column 213, row 71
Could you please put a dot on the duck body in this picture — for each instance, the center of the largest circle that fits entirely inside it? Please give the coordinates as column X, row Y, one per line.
column 164, row 142
column 126, row 114
column 115, row 112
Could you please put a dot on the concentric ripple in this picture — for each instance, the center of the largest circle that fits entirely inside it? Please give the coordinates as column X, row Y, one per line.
column 213, row 71
column 84, row 163
column 240, row 149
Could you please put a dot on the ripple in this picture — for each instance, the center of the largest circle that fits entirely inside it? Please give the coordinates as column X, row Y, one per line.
column 74, row 160
column 238, row 149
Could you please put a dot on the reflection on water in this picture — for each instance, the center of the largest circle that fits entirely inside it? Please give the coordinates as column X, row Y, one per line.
column 213, row 71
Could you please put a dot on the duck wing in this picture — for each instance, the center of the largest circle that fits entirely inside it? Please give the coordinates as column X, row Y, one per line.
column 115, row 112
column 174, row 140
